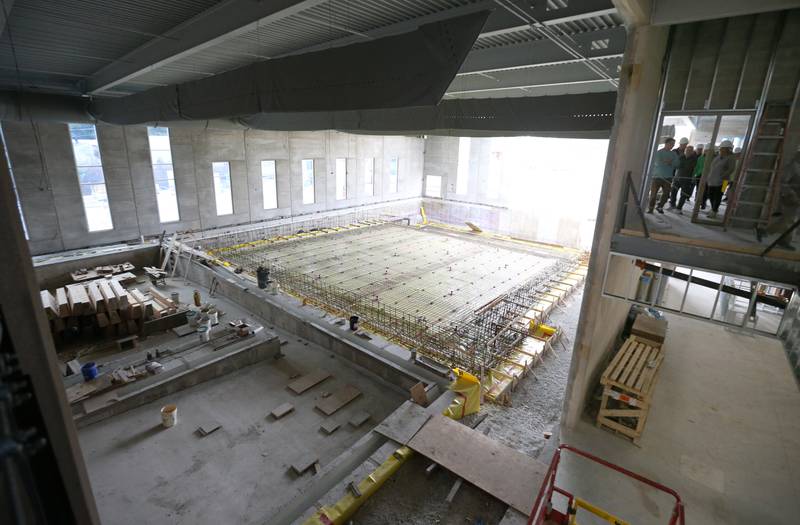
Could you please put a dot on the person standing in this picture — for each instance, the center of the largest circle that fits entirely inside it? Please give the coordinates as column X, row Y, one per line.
column 683, row 144
column 665, row 162
column 722, row 168
column 684, row 180
column 698, row 171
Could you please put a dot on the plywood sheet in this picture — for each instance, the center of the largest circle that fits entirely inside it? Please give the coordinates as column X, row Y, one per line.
column 510, row 476
column 338, row 399
column 300, row 385
column 403, row 423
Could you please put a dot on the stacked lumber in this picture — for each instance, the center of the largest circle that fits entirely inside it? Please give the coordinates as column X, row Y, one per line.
column 102, row 307
column 97, row 272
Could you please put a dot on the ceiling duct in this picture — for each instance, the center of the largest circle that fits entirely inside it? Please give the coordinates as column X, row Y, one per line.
column 586, row 115
column 410, row 69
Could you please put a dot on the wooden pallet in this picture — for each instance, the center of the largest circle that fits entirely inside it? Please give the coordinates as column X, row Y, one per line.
column 628, row 384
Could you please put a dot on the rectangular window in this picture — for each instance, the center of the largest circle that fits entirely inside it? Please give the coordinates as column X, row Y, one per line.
column 222, row 187
column 369, row 176
column 308, row 181
column 462, row 175
column 269, row 184
column 14, row 186
column 163, row 174
column 393, row 174
column 91, row 179
column 433, row 186
column 341, row 179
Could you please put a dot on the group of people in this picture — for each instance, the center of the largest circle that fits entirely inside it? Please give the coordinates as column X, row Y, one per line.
column 678, row 170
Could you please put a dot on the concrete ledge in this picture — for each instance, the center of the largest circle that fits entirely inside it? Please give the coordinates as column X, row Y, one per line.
column 185, row 375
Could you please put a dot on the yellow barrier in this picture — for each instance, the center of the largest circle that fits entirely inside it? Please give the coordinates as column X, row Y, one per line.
column 597, row 511
column 343, row 510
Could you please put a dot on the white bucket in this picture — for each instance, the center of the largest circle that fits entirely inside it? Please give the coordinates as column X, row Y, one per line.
column 169, row 416
column 213, row 316
column 204, row 333
column 176, row 298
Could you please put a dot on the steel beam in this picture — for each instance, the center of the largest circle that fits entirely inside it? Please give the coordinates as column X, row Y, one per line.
column 534, row 76
column 669, row 12
column 221, row 22
column 540, row 52
column 502, row 22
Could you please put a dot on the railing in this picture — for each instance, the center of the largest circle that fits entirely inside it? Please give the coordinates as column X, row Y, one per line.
column 543, row 507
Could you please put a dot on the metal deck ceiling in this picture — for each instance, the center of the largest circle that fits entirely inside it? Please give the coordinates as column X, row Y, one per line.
column 118, row 47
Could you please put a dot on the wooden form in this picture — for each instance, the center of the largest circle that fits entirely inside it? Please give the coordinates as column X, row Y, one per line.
column 338, row 399
column 628, row 384
column 300, row 385
column 101, row 271
column 508, row 475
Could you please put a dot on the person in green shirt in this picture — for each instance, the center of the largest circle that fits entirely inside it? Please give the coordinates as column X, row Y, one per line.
column 698, row 172
column 665, row 162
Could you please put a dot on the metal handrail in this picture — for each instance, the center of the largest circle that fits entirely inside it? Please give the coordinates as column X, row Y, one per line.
column 538, row 512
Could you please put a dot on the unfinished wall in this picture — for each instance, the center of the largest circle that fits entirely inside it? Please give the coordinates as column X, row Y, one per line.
column 493, row 212
column 46, row 178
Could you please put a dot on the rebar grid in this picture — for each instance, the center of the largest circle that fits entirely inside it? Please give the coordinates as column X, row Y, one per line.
column 452, row 299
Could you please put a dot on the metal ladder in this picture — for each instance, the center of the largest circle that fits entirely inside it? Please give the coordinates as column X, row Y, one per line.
column 756, row 190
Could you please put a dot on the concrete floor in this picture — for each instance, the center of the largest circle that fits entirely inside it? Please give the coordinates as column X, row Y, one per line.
column 673, row 224
column 724, row 431
column 142, row 473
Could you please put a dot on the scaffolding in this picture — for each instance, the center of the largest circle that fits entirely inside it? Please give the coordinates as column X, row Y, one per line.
column 442, row 294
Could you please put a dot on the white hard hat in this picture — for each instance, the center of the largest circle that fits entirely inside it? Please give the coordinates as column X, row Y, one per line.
column 684, row 140
column 726, row 144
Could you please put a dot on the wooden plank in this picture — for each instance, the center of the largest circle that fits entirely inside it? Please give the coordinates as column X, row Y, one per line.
column 403, row 423
column 615, row 360
column 63, row 303
column 637, row 370
column 338, row 399
column 281, row 410
column 419, row 395
column 300, row 385
column 622, row 363
column 108, row 294
column 49, row 304
column 508, row 475
column 78, row 299
column 359, row 418
column 636, row 355
column 330, row 426
column 158, row 297
column 120, row 293
column 304, row 463
column 95, row 297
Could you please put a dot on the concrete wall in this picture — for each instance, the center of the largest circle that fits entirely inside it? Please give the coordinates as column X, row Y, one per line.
column 601, row 318
column 492, row 212
column 46, row 178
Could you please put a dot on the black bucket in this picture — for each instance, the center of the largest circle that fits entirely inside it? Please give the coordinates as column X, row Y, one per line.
column 354, row 322
column 262, row 274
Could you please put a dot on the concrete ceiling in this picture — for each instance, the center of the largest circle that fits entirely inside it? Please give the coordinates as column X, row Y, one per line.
column 117, row 47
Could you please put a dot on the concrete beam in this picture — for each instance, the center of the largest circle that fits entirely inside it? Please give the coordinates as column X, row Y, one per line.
column 221, row 22
column 739, row 264
column 540, row 52
column 669, row 12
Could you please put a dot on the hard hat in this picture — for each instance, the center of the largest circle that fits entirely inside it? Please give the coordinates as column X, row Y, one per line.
column 684, row 140
column 726, row 144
